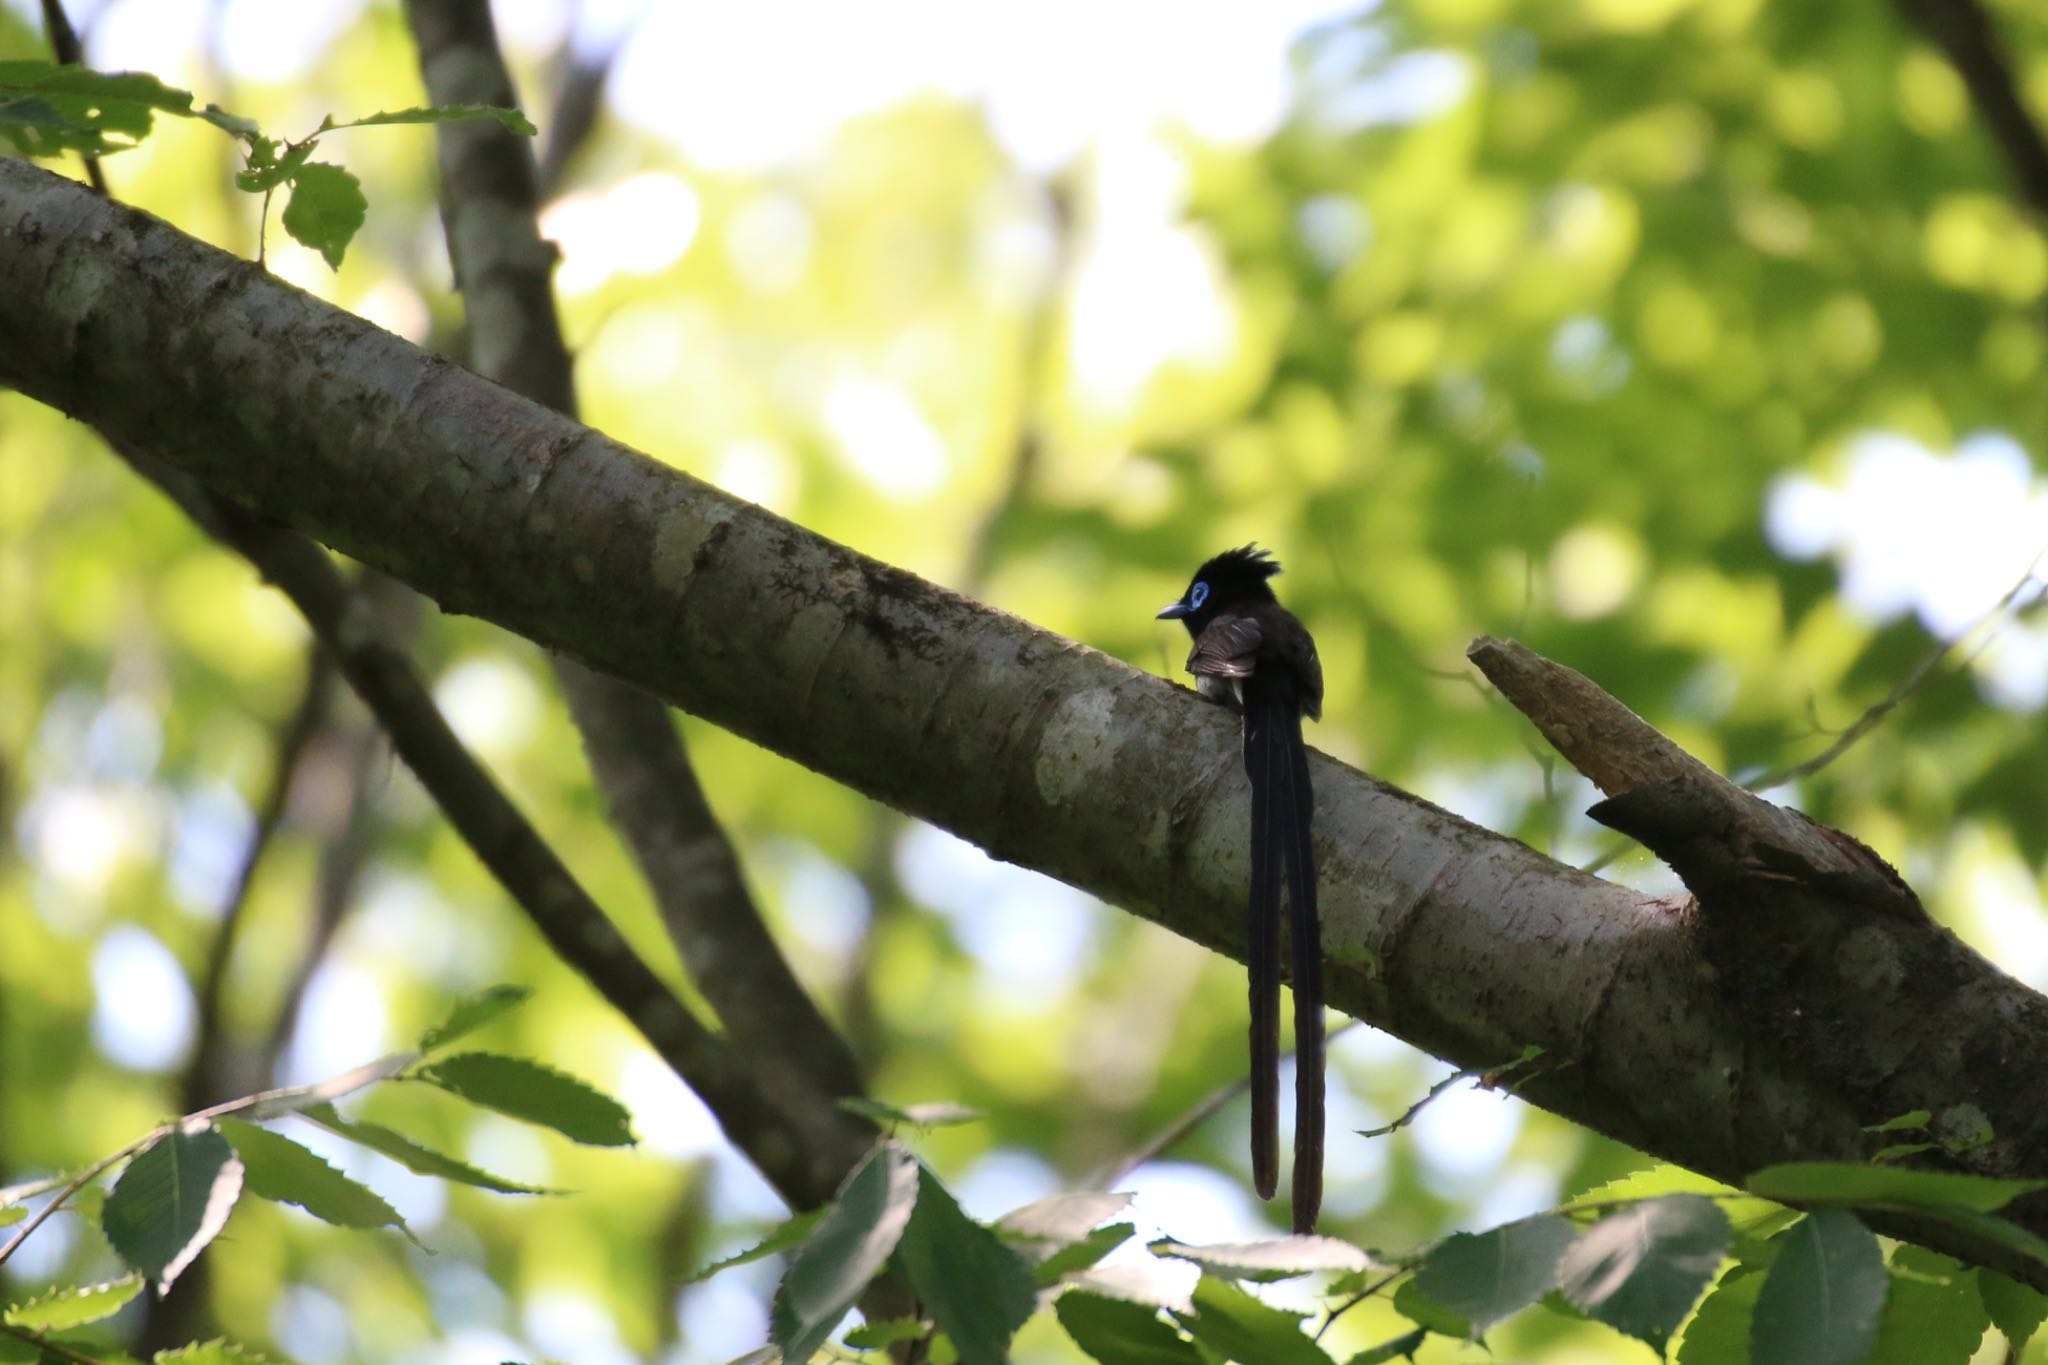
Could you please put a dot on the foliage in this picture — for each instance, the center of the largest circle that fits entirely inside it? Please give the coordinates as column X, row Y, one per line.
column 181, row 1182
column 49, row 110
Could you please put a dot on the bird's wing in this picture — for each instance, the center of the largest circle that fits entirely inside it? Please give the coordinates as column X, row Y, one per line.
column 1228, row 647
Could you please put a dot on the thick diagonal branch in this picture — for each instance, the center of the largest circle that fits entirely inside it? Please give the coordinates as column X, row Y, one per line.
column 504, row 269
column 1042, row 751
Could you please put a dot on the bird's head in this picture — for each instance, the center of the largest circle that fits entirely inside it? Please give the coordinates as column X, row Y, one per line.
column 1232, row 580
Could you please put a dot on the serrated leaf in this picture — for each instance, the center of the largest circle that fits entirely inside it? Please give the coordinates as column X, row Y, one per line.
column 1664, row 1178
column 1118, row 1332
column 1400, row 1348
column 290, row 1100
column 215, row 1352
column 2016, row 1310
column 326, row 209
column 977, row 1290
column 1718, row 1333
column 535, row 1094
column 1062, row 1218
column 278, row 1169
column 1912, row 1118
column 1237, row 1326
column 473, row 1013
column 1157, row 1284
column 851, row 1242
column 1483, row 1277
column 1932, row 1315
column 63, row 1309
column 1078, row 1256
column 171, row 1201
column 411, row 1155
column 266, row 170
column 786, row 1234
column 871, row 1336
column 1841, row 1182
column 1278, row 1258
column 1412, row 1303
column 446, row 113
column 1642, row 1269
column 1821, row 1301
column 46, row 108
column 933, row 1114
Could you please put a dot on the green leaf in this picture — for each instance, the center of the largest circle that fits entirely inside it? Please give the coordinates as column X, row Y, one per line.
column 473, row 1013
column 2016, row 1310
column 1642, row 1269
column 1062, row 1218
column 1932, row 1315
column 1237, row 1326
column 1153, row 1283
column 62, row 1309
column 411, row 1155
column 1841, row 1182
column 785, row 1235
column 1419, row 1308
column 446, row 113
column 265, row 170
column 1483, row 1277
column 1400, row 1348
column 326, row 209
column 1718, row 1333
column 174, row 1196
column 12, row 1213
column 534, row 1093
column 978, row 1290
column 1664, row 1178
column 1821, row 1301
column 1912, row 1118
column 215, row 1352
column 1117, row 1332
column 1279, row 1258
column 852, row 1241
column 281, row 1170
column 46, row 109
column 1079, row 1255
column 934, row 1114
column 874, row 1335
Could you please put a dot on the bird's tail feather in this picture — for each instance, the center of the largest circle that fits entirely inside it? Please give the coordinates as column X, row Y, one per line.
column 1291, row 821
column 1265, row 762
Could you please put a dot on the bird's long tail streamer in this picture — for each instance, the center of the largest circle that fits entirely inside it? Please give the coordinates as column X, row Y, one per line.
column 1265, row 764
column 1291, row 820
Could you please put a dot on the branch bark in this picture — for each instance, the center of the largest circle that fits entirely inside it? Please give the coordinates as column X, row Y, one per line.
column 1963, row 30
column 1039, row 749
column 505, row 271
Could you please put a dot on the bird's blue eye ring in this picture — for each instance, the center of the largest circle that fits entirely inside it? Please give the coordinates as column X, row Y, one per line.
column 1197, row 595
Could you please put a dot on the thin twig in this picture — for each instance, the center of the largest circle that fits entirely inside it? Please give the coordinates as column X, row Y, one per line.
column 64, row 45
column 1910, row 684
column 1189, row 1120
column 1489, row 1078
column 1360, row 1297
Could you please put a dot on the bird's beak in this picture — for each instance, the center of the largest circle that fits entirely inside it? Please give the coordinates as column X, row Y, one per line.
column 1173, row 613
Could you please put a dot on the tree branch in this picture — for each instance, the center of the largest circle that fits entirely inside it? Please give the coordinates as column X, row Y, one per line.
column 1046, row 753
column 1963, row 30
column 801, row 1148
column 489, row 202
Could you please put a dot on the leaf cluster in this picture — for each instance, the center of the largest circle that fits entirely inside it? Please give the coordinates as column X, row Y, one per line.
column 182, row 1181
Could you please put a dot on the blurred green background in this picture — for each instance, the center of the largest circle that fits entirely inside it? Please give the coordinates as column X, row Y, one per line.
column 1699, row 345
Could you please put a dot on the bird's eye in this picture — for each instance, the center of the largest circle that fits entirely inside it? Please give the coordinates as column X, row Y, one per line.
column 1197, row 595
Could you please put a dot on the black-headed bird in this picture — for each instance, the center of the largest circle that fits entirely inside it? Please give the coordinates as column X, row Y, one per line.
column 1252, row 655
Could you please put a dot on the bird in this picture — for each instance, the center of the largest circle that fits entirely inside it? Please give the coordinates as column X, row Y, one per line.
column 1252, row 655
